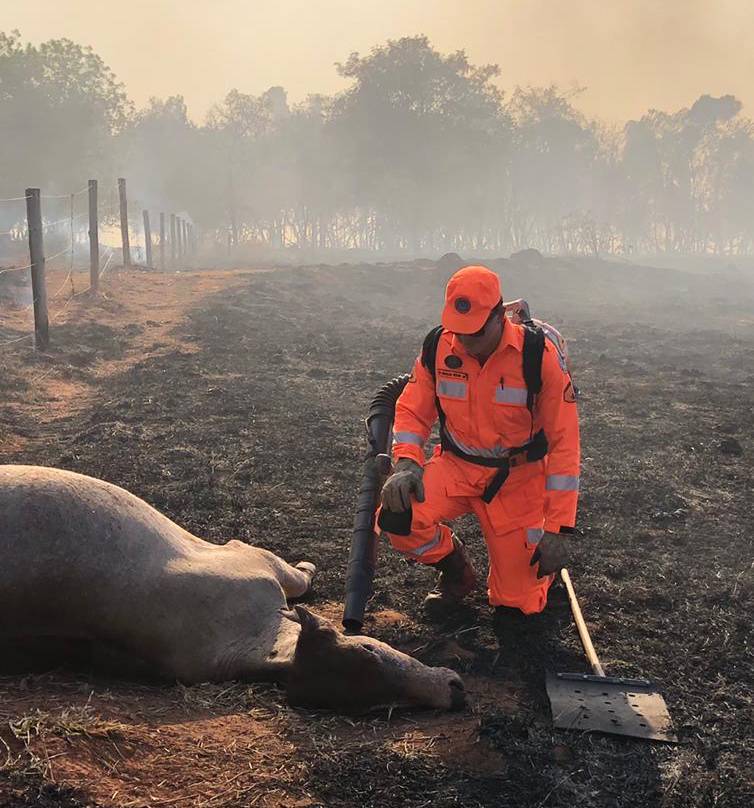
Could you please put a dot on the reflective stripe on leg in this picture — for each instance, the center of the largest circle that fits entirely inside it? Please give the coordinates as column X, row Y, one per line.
column 419, row 547
column 534, row 534
column 417, row 552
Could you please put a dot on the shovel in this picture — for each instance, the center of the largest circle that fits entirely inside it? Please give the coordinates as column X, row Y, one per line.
column 600, row 703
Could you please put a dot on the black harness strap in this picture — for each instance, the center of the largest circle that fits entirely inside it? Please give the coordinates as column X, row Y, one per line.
column 534, row 349
column 429, row 349
column 531, row 451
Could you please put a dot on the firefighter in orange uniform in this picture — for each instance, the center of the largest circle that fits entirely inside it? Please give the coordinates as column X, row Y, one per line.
column 508, row 453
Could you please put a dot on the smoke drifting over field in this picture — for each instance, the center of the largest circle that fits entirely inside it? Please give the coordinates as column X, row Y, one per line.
column 422, row 153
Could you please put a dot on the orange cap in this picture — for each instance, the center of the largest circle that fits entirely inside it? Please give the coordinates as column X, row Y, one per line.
column 470, row 296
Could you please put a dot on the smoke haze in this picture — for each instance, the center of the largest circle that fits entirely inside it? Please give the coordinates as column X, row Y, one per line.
column 566, row 127
column 631, row 55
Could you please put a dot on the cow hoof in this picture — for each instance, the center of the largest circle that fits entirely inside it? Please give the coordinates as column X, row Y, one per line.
column 307, row 568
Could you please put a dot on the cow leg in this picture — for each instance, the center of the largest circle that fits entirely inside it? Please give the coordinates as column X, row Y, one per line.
column 295, row 580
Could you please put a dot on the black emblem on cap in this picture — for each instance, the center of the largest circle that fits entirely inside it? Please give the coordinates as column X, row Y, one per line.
column 463, row 305
column 453, row 361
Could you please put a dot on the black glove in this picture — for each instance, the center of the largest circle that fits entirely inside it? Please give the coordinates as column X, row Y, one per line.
column 405, row 480
column 551, row 553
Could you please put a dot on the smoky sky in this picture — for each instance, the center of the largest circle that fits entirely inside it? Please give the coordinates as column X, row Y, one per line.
column 630, row 55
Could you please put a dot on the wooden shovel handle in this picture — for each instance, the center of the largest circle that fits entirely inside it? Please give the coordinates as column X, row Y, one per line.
column 578, row 618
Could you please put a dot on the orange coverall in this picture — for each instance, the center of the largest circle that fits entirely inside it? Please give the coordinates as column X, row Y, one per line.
column 486, row 412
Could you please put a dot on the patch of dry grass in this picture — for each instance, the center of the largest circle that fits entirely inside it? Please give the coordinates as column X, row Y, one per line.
column 33, row 728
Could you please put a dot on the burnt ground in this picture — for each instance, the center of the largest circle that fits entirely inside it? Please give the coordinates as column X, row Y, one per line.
column 238, row 412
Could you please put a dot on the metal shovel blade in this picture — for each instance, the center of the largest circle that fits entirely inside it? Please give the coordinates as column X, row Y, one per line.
column 611, row 704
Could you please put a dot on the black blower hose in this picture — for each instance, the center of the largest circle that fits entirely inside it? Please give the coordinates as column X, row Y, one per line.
column 363, row 557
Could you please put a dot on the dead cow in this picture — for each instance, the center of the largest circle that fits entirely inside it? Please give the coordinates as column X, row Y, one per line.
column 81, row 558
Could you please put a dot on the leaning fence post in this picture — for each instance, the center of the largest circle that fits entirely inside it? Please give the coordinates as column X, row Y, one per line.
column 173, row 253
column 162, row 241
column 93, row 237
column 37, row 257
column 179, row 237
column 124, row 222
column 147, row 237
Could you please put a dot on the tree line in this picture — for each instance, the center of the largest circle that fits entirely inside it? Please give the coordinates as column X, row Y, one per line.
column 422, row 153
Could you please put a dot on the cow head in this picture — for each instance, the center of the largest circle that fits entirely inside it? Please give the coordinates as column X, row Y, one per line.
column 330, row 670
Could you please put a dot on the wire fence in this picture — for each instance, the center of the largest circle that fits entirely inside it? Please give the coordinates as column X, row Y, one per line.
column 57, row 222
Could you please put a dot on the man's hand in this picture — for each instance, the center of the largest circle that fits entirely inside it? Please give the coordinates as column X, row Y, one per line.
column 551, row 553
column 405, row 480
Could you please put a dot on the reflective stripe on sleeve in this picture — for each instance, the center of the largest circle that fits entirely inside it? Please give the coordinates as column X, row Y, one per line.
column 534, row 534
column 510, row 395
column 451, row 389
column 408, row 437
column 562, row 482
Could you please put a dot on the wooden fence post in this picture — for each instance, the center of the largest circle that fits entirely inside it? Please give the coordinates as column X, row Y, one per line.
column 38, row 281
column 93, row 237
column 147, row 237
column 162, row 241
column 124, row 222
column 173, row 252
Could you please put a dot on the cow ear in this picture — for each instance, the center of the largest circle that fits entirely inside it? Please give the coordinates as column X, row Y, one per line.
column 310, row 622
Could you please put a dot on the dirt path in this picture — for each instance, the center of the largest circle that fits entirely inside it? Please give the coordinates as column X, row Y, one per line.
column 243, row 419
column 93, row 337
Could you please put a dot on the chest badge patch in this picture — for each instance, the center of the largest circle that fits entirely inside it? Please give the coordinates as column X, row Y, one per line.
column 453, row 361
